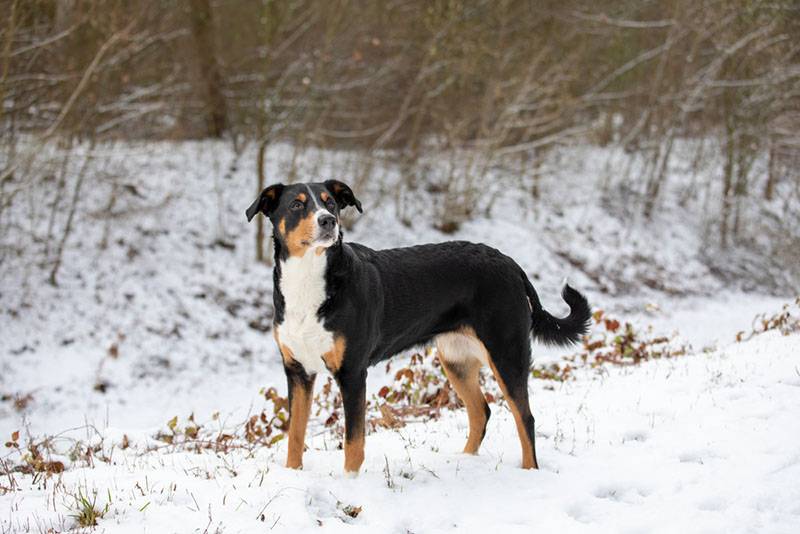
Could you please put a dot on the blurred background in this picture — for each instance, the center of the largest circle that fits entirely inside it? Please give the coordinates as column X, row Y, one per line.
column 487, row 88
column 649, row 150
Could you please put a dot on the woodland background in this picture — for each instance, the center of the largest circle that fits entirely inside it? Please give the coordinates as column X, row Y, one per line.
column 484, row 88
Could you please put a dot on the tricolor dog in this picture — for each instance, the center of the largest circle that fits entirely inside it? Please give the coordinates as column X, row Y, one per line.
column 343, row 307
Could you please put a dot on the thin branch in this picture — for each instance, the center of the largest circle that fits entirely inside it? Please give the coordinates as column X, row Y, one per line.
column 46, row 42
column 70, row 218
column 86, row 77
column 623, row 23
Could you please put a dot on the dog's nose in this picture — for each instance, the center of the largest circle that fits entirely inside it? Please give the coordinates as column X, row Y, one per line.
column 327, row 222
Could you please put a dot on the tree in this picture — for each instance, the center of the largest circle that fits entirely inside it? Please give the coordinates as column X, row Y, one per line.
column 210, row 83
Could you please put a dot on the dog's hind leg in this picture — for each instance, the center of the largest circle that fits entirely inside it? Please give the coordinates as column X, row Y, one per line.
column 461, row 355
column 464, row 378
column 509, row 359
column 511, row 373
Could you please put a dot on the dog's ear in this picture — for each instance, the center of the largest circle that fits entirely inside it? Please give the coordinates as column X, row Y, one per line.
column 266, row 202
column 343, row 194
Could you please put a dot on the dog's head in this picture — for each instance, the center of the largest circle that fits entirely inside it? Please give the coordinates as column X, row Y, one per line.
column 304, row 216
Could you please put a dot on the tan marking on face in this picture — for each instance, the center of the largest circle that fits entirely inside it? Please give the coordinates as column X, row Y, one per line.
column 333, row 358
column 299, row 239
column 302, row 197
column 324, row 196
column 525, row 440
column 299, row 412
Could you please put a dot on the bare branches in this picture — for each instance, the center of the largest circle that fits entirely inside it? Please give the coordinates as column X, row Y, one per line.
column 486, row 87
column 622, row 23
column 6, row 59
column 87, row 74
column 43, row 43
column 73, row 207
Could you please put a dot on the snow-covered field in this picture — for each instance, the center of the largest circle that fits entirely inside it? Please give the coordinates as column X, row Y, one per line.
column 703, row 443
column 161, row 312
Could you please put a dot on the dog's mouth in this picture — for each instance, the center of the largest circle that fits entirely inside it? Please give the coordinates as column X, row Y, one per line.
column 325, row 238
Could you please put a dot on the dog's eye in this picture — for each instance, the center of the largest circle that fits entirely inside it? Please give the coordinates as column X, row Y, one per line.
column 296, row 205
column 330, row 204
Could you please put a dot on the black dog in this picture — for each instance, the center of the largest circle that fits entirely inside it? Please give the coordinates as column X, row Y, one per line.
column 344, row 307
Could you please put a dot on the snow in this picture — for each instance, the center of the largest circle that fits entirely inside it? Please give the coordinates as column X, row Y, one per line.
column 702, row 443
column 162, row 315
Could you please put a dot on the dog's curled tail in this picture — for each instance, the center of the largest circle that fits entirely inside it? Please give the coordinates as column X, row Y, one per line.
column 565, row 331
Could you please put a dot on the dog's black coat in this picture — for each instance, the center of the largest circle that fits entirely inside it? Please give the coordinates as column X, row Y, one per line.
column 385, row 301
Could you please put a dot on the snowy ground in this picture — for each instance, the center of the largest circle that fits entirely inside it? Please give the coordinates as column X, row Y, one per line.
column 703, row 443
column 160, row 312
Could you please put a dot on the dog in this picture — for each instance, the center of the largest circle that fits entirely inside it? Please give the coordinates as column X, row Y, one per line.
column 343, row 307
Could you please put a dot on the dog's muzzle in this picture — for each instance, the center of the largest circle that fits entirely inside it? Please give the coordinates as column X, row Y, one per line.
column 327, row 227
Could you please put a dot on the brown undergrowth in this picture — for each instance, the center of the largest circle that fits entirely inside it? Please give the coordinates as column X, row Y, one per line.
column 419, row 391
column 786, row 321
column 611, row 342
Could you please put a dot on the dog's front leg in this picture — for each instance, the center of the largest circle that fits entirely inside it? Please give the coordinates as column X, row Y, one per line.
column 301, row 392
column 353, row 385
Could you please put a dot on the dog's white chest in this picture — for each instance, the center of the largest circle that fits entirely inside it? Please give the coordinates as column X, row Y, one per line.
column 303, row 287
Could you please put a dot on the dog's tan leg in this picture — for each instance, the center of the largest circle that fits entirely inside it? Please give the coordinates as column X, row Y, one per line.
column 354, row 452
column 301, row 391
column 518, row 402
column 353, row 385
column 464, row 376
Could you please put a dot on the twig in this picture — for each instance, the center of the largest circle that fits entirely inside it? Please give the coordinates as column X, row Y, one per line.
column 70, row 217
column 87, row 74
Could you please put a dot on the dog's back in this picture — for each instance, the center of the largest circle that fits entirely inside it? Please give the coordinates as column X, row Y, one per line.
column 426, row 290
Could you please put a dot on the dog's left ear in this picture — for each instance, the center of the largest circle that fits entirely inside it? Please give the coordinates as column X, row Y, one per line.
column 266, row 202
column 343, row 194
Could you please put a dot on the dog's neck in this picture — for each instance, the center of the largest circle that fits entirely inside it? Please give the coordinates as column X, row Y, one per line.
column 298, row 277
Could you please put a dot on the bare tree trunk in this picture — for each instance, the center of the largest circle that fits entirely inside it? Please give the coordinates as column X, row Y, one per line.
column 727, row 185
column 744, row 163
column 9, row 39
column 658, row 176
column 769, row 188
column 65, row 11
column 262, row 148
column 58, row 194
column 202, row 24
column 76, row 196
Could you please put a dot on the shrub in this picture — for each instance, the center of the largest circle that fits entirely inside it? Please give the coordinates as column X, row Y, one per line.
column 787, row 322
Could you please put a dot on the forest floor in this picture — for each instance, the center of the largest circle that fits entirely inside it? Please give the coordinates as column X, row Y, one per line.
column 129, row 388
